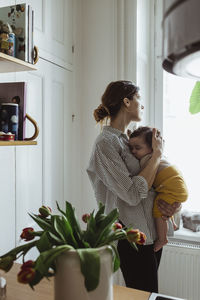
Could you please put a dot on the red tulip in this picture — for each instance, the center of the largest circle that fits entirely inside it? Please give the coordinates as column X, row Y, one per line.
column 45, row 211
column 133, row 235
column 27, row 272
column 85, row 218
column 28, row 264
column 142, row 238
column 27, row 234
column 26, row 275
column 117, row 226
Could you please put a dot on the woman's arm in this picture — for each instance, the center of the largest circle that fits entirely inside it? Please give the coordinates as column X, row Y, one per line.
column 107, row 166
column 150, row 170
column 167, row 209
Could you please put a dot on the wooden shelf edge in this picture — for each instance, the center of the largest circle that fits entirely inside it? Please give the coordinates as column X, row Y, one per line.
column 17, row 143
column 12, row 64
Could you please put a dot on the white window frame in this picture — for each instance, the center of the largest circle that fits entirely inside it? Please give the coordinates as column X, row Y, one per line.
column 156, row 111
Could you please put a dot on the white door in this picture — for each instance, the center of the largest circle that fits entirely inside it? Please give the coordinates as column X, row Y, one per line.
column 41, row 170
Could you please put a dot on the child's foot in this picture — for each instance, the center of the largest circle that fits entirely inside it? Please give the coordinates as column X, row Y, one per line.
column 175, row 226
column 159, row 244
column 174, row 223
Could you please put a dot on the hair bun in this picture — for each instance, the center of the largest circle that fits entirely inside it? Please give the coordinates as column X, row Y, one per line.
column 100, row 113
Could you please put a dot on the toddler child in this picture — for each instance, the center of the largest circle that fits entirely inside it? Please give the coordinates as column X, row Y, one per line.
column 168, row 183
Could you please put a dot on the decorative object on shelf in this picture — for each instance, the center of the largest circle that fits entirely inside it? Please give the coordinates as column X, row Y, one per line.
column 36, row 129
column 11, row 137
column 9, row 116
column 80, row 260
column 19, row 17
column 16, row 93
column 6, row 136
column 7, row 39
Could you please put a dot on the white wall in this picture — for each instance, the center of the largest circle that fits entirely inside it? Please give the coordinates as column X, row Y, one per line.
column 97, row 36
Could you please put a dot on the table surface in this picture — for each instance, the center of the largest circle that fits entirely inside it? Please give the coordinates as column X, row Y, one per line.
column 45, row 289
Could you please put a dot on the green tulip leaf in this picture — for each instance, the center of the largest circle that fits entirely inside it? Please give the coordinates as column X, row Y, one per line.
column 115, row 257
column 58, row 228
column 100, row 212
column 71, row 217
column 43, row 223
column 47, row 258
column 20, row 249
column 59, row 209
column 90, row 267
column 106, row 226
column 55, row 240
column 43, row 243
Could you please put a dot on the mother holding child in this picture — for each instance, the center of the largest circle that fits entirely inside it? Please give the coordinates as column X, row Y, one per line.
column 118, row 181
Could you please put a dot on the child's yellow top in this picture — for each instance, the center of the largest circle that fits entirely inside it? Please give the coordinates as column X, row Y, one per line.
column 170, row 186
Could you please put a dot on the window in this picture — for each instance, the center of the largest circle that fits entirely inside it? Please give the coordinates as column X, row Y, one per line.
column 180, row 128
column 181, row 131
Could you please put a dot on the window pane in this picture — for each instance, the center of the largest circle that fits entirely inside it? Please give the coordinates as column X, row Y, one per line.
column 181, row 131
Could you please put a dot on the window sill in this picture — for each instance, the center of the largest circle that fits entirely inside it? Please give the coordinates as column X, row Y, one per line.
column 185, row 236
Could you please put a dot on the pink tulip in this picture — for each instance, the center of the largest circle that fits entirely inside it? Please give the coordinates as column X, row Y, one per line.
column 117, row 226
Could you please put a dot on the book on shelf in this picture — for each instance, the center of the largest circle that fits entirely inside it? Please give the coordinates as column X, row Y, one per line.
column 32, row 38
column 19, row 17
column 16, row 92
column 30, row 34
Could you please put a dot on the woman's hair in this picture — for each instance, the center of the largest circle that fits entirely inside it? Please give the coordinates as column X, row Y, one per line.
column 112, row 99
column 146, row 133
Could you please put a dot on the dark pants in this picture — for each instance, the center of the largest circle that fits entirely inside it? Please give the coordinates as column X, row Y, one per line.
column 139, row 268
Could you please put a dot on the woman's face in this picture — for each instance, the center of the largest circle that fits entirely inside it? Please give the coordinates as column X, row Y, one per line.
column 136, row 108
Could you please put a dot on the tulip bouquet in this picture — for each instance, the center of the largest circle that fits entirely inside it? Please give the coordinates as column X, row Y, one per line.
column 61, row 233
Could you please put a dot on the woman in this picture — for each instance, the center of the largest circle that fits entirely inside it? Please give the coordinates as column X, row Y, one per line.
column 118, row 182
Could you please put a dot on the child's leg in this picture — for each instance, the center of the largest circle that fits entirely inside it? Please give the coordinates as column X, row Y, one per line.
column 174, row 223
column 161, row 226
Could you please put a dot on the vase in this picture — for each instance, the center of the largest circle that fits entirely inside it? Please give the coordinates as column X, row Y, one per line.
column 69, row 281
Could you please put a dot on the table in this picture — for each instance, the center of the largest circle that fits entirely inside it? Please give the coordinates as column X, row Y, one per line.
column 45, row 289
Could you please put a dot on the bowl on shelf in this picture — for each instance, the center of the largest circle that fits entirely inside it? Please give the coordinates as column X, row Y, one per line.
column 6, row 136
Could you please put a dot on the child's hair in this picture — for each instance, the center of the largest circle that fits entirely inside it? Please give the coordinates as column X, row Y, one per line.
column 146, row 133
column 112, row 99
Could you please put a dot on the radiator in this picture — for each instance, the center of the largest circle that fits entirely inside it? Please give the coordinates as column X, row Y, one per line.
column 179, row 271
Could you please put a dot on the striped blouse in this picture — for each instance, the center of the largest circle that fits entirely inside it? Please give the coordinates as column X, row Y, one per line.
column 113, row 173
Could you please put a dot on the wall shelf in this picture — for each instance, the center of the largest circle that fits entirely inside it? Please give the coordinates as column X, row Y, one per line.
column 17, row 143
column 12, row 64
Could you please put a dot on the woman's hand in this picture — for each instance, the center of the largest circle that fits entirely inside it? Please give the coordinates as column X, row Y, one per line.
column 167, row 209
column 157, row 143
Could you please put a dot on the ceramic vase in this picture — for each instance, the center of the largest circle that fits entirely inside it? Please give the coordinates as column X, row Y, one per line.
column 69, row 281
